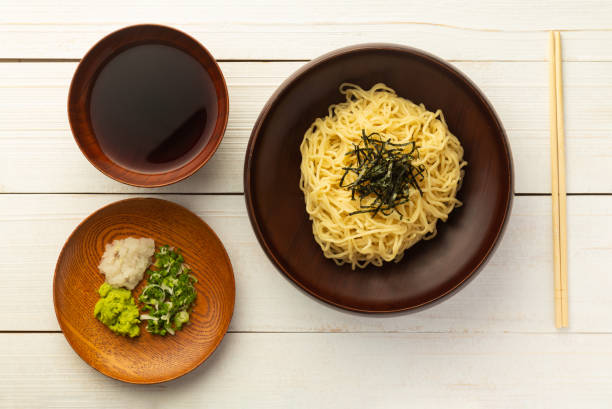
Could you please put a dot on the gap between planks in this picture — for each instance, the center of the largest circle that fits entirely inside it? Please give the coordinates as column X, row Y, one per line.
column 46, row 60
column 362, row 23
column 505, row 332
column 527, row 194
column 231, row 60
column 134, row 193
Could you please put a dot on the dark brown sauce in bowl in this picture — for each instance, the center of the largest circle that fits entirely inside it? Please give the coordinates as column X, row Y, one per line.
column 152, row 107
column 148, row 105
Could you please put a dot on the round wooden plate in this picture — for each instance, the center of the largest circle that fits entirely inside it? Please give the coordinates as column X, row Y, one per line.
column 147, row 358
column 429, row 270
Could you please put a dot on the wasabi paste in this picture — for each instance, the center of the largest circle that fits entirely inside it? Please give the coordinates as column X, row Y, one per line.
column 117, row 310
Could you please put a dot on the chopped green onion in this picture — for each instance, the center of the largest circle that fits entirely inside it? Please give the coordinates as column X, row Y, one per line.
column 170, row 293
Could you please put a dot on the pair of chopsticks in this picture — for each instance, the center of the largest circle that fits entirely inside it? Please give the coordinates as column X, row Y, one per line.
column 557, row 161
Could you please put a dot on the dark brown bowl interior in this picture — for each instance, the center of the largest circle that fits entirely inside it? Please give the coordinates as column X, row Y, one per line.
column 85, row 76
column 430, row 269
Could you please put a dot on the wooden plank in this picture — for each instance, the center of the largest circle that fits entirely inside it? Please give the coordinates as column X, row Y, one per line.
column 331, row 371
column 512, row 293
column 297, row 42
column 495, row 15
column 34, row 131
column 499, row 30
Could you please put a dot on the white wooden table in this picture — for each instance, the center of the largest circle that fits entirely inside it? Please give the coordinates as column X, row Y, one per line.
column 492, row 345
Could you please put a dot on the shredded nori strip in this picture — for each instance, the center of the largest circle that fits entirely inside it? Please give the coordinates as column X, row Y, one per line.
column 384, row 172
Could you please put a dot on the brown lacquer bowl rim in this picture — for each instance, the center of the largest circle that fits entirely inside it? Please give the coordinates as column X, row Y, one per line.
column 150, row 180
column 296, row 76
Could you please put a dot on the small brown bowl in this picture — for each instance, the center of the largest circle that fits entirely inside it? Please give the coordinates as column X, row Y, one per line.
column 429, row 270
column 79, row 104
column 147, row 358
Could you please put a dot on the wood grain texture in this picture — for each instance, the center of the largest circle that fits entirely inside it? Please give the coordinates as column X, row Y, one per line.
column 500, row 30
column 494, row 15
column 430, row 270
column 244, row 41
column 512, row 293
column 79, row 103
column 467, row 359
column 270, row 371
column 147, row 358
column 517, row 90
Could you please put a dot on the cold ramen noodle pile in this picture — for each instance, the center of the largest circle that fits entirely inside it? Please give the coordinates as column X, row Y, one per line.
column 377, row 173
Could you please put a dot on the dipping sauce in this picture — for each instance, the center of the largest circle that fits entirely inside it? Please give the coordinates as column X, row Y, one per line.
column 153, row 108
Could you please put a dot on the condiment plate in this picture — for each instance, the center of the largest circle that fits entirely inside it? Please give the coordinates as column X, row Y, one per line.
column 147, row 358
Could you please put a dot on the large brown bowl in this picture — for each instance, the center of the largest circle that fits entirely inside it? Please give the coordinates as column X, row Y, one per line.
column 85, row 77
column 431, row 269
column 147, row 358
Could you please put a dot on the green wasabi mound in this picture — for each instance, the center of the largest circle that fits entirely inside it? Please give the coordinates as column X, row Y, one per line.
column 117, row 310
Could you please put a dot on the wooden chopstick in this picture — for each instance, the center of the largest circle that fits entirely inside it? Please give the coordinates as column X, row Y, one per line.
column 554, row 166
column 562, row 190
column 558, row 190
